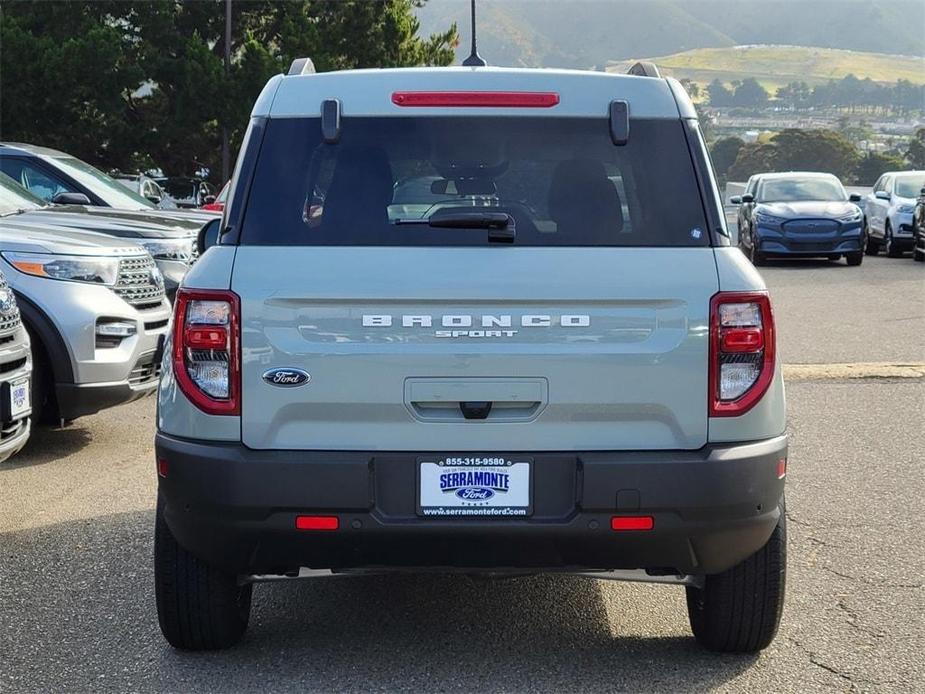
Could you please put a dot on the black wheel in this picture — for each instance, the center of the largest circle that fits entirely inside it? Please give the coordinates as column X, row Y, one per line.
column 44, row 407
column 918, row 256
column 739, row 610
column 758, row 258
column 889, row 247
column 855, row 258
column 871, row 247
column 199, row 607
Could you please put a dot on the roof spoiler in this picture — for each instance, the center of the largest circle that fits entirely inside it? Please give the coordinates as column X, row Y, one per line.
column 641, row 69
column 302, row 66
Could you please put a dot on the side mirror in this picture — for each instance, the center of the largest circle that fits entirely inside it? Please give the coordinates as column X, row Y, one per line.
column 854, row 197
column 208, row 199
column 736, row 200
column 748, row 197
column 882, row 195
column 156, row 199
column 208, row 235
column 71, row 199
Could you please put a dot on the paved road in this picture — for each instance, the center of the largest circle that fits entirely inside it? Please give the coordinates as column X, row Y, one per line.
column 76, row 603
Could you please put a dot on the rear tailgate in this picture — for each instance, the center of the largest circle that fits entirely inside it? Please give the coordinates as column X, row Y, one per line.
column 576, row 348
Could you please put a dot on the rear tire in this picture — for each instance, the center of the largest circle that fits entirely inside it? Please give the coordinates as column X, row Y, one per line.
column 758, row 258
column 199, row 607
column 855, row 258
column 918, row 256
column 739, row 610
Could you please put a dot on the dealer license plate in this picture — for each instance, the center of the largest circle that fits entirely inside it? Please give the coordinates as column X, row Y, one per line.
column 477, row 486
column 19, row 398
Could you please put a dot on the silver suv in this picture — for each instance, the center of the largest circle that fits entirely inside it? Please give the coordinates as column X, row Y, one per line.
column 96, row 312
column 478, row 320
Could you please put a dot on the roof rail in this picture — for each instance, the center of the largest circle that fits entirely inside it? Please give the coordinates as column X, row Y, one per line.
column 642, row 69
column 302, row 66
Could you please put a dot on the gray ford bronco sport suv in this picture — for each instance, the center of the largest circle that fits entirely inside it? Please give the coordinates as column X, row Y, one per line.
column 476, row 320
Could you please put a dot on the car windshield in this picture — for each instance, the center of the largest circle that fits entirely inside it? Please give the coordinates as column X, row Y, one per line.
column 180, row 188
column 801, row 189
column 14, row 198
column 909, row 186
column 113, row 193
column 443, row 181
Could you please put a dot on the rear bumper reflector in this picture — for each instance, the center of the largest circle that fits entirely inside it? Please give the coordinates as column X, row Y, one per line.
column 317, row 523
column 632, row 523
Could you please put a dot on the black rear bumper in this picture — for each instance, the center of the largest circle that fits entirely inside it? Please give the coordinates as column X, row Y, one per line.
column 236, row 507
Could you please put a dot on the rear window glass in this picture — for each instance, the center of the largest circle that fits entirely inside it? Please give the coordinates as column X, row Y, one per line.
column 561, row 181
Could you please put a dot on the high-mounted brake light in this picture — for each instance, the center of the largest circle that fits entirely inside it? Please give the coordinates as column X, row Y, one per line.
column 207, row 349
column 476, row 99
column 742, row 351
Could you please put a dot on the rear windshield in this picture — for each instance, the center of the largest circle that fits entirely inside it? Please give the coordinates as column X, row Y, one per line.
column 560, row 181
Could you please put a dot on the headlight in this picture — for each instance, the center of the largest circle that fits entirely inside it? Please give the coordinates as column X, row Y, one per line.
column 74, row 268
column 763, row 218
column 853, row 217
column 170, row 249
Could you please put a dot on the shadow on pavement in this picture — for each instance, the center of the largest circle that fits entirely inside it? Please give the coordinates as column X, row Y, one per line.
column 48, row 444
column 91, row 624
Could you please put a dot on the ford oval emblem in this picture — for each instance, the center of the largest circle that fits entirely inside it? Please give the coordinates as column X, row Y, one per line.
column 287, row 378
column 475, row 493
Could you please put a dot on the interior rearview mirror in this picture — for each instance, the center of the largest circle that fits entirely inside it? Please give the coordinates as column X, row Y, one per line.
column 208, row 235
column 71, row 199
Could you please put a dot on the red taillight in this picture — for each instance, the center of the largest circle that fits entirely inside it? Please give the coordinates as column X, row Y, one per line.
column 317, row 523
column 207, row 349
column 742, row 351
column 477, row 99
column 632, row 523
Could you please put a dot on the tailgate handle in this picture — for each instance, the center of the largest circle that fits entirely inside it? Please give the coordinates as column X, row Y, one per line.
column 478, row 409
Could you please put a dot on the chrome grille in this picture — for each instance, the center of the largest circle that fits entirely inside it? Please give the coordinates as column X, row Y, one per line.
column 9, row 320
column 136, row 283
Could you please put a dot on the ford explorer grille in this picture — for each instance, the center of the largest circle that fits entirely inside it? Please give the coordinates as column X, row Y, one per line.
column 136, row 283
column 9, row 318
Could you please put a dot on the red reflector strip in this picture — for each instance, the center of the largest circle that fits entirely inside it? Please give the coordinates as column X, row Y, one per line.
column 477, row 99
column 317, row 522
column 632, row 523
column 162, row 467
column 741, row 340
column 781, row 468
column 206, row 338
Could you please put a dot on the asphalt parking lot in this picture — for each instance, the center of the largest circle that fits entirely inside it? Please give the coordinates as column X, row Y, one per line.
column 77, row 606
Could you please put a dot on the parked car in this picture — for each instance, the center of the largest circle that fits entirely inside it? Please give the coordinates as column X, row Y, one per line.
column 171, row 241
column 60, row 178
column 918, row 228
column 218, row 204
column 147, row 188
column 15, row 374
column 95, row 310
column 888, row 212
column 801, row 214
column 569, row 376
column 188, row 192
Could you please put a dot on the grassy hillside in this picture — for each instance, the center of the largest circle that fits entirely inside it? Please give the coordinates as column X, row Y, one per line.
column 777, row 65
column 590, row 33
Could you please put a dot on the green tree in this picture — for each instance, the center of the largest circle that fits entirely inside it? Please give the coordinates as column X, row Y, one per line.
column 724, row 152
column 753, row 158
column 916, row 151
column 750, row 94
column 815, row 150
column 719, row 94
column 124, row 84
column 872, row 165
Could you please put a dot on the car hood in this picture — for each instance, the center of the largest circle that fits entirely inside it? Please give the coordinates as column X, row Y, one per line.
column 17, row 234
column 114, row 222
column 807, row 208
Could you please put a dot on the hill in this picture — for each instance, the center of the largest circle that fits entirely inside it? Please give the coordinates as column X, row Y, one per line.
column 777, row 65
column 587, row 33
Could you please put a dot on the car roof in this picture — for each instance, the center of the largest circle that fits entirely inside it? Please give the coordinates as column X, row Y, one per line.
column 369, row 92
column 25, row 148
column 796, row 174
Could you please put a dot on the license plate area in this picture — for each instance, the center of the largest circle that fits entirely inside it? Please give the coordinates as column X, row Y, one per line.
column 492, row 486
column 15, row 402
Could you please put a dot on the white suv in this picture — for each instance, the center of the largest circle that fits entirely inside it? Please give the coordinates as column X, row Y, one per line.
column 888, row 212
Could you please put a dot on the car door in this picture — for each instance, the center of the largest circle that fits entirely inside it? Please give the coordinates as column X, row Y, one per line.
column 876, row 217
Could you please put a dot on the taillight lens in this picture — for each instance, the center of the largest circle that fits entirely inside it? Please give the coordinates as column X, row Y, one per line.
column 742, row 346
column 207, row 349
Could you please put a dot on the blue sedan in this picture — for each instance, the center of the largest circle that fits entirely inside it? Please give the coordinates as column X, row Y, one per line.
column 799, row 214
